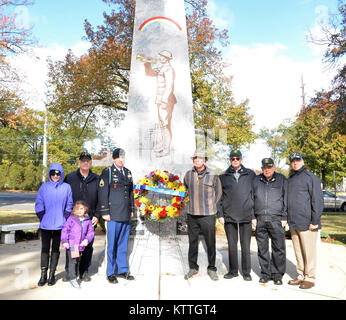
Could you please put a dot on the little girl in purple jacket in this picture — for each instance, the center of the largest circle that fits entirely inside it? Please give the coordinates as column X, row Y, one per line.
column 75, row 236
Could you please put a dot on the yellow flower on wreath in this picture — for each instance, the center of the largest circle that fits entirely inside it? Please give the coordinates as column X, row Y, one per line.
column 144, row 200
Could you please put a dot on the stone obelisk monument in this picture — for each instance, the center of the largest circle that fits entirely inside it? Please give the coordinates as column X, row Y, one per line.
column 158, row 132
column 159, row 123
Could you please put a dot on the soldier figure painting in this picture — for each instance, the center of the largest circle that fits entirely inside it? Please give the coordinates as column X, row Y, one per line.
column 165, row 98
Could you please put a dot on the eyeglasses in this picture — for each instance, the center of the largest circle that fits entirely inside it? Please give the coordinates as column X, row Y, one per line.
column 54, row 173
column 234, row 159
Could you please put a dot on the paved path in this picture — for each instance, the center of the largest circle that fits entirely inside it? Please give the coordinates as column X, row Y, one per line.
column 20, row 271
column 17, row 201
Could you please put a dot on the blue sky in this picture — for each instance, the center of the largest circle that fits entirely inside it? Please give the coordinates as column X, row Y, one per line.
column 248, row 22
column 272, row 21
column 62, row 21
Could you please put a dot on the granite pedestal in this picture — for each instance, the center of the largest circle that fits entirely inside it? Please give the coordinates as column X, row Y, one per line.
column 157, row 249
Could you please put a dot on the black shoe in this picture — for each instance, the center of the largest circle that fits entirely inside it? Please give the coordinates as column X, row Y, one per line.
column 85, row 277
column 230, row 275
column 278, row 282
column 51, row 279
column 126, row 275
column 213, row 275
column 247, row 277
column 112, row 279
column 43, row 278
column 190, row 274
column 264, row 280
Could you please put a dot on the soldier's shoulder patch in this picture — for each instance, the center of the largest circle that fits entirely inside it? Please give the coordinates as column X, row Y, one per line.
column 102, row 183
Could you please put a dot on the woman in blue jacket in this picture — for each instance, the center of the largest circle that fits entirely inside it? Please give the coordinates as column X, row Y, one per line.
column 53, row 206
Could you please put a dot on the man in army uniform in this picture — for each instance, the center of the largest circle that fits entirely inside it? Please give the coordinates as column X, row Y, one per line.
column 116, row 205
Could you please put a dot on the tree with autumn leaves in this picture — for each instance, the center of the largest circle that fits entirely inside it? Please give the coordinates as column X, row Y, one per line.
column 319, row 132
column 98, row 82
column 21, row 129
column 320, row 142
column 18, row 124
column 319, row 129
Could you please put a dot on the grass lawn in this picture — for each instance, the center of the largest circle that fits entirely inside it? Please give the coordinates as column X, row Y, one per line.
column 333, row 223
column 10, row 217
column 333, row 227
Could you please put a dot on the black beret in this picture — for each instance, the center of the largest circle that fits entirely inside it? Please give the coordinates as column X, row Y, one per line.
column 117, row 152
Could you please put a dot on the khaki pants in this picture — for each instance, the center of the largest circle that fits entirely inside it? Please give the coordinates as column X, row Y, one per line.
column 304, row 244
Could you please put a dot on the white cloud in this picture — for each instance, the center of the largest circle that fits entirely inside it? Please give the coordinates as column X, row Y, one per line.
column 220, row 14
column 316, row 32
column 33, row 70
column 272, row 83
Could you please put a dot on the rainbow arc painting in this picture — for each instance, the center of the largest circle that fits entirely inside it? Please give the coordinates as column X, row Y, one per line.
column 160, row 19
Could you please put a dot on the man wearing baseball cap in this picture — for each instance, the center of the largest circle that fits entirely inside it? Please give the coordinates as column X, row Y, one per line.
column 270, row 206
column 204, row 188
column 235, row 212
column 84, row 185
column 305, row 206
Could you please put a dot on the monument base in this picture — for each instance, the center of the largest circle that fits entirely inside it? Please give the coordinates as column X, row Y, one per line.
column 155, row 248
column 167, row 255
column 164, row 255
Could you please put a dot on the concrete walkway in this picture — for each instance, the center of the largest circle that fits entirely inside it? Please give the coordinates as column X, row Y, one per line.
column 162, row 278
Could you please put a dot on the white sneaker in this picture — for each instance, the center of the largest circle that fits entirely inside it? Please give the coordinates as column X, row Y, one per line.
column 75, row 284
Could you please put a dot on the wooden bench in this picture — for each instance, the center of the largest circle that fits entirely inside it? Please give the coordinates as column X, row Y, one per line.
column 8, row 231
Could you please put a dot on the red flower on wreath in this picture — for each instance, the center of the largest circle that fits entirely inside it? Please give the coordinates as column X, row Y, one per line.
column 163, row 213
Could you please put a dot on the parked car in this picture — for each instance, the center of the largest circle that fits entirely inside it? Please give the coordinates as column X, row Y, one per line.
column 334, row 201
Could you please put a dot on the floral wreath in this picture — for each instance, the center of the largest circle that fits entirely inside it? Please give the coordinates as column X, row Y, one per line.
column 163, row 183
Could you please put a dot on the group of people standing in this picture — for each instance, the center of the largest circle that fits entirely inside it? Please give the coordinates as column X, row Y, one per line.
column 69, row 210
column 243, row 201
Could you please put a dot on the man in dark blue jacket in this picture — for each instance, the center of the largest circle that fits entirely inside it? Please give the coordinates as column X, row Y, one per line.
column 116, row 205
column 305, row 206
column 270, row 206
column 84, row 185
column 235, row 210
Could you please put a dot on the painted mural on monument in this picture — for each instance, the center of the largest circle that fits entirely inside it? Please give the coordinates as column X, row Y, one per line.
column 158, row 131
column 164, row 99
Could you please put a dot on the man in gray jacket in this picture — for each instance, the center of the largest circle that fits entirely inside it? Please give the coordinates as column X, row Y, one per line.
column 270, row 206
column 305, row 206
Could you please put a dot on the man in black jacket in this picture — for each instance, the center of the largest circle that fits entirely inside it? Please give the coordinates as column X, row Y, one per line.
column 305, row 206
column 270, row 206
column 84, row 185
column 235, row 209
